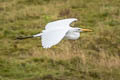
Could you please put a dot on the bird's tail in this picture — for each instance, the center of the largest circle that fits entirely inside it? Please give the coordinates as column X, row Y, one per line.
column 26, row 37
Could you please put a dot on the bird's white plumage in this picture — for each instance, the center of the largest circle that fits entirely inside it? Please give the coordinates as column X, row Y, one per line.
column 53, row 37
column 60, row 23
column 55, row 31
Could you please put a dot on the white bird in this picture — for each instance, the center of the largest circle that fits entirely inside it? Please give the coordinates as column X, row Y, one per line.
column 55, row 31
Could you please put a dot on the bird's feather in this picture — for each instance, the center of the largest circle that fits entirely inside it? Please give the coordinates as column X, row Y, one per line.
column 60, row 23
column 53, row 37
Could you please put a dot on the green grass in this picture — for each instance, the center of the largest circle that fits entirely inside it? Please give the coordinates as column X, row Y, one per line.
column 95, row 56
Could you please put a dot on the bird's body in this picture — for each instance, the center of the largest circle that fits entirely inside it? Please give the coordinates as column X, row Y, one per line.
column 55, row 31
column 72, row 35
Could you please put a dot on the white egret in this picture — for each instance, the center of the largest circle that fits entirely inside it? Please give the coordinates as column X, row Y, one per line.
column 55, row 31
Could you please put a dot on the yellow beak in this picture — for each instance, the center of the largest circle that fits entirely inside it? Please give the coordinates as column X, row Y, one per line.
column 86, row 30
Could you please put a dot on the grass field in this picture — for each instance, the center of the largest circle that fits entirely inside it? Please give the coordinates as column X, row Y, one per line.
column 95, row 56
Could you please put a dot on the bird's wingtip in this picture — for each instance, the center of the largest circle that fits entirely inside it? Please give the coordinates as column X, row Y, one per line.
column 46, row 47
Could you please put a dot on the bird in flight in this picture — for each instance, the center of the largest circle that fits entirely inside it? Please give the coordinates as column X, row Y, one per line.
column 57, row 30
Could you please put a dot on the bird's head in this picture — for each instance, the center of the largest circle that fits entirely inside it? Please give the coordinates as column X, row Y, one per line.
column 83, row 30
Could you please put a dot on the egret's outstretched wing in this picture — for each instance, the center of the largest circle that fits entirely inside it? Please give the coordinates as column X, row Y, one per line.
column 53, row 37
column 60, row 23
